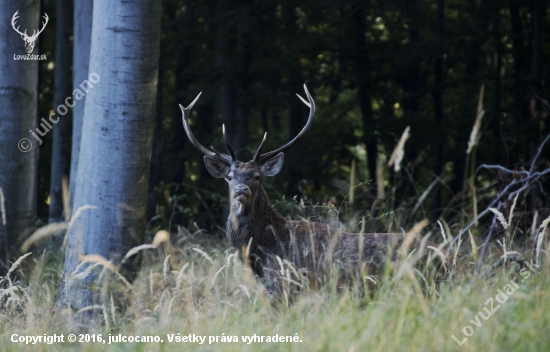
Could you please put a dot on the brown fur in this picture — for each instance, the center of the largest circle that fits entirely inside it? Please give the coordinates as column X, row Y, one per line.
column 311, row 247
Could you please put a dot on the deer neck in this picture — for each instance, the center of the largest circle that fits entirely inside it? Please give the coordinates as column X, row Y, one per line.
column 259, row 222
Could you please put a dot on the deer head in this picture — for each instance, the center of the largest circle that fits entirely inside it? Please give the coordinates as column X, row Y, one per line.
column 244, row 178
column 29, row 40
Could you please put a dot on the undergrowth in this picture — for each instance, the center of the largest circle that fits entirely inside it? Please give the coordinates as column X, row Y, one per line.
column 197, row 286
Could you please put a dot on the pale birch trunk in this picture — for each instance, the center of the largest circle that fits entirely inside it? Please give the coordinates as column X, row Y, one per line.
column 82, row 38
column 115, row 149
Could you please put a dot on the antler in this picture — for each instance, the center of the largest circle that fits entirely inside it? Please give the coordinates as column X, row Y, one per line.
column 213, row 154
column 34, row 34
column 46, row 18
column 265, row 157
column 13, row 20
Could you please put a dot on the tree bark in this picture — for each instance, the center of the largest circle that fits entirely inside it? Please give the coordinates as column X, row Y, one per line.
column 228, row 104
column 520, row 105
column 245, row 74
column 113, row 171
column 296, row 115
column 363, row 73
column 234, row 61
column 438, row 106
column 156, row 156
column 538, row 9
column 61, row 130
column 182, row 96
column 412, row 83
column 226, row 45
column 82, row 37
column 18, row 108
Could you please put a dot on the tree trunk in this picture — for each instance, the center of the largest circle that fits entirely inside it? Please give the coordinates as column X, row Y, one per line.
column 520, row 105
column 362, row 64
column 18, row 108
column 226, row 63
column 233, row 62
column 82, row 37
column 537, row 26
column 438, row 107
column 61, row 130
column 182, row 96
column 538, row 9
column 296, row 115
column 156, row 156
column 113, row 171
column 413, row 84
column 245, row 74
column 228, row 97
column 496, row 121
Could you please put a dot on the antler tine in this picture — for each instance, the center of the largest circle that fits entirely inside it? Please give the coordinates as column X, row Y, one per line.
column 36, row 33
column 46, row 19
column 229, row 147
column 311, row 104
column 303, row 100
column 185, row 112
column 13, row 22
column 259, row 149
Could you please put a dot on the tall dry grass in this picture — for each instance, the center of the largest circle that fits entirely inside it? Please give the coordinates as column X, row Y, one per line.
column 200, row 287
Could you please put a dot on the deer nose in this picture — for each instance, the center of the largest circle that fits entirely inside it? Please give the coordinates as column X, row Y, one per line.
column 241, row 190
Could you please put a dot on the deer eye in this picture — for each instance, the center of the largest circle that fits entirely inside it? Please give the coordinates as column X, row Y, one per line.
column 257, row 177
column 229, row 177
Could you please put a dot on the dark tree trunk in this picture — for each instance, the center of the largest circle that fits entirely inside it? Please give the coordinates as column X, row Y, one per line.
column 61, row 161
column 499, row 65
column 296, row 116
column 363, row 66
column 412, row 83
column 438, row 106
column 496, row 123
column 226, row 41
column 537, row 26
column 477, row 25
column 412, row 79
column 520, row 105
column 538, row 9
column 18, row 106
column 244, row 84
column 234, row 60
column 182, row 96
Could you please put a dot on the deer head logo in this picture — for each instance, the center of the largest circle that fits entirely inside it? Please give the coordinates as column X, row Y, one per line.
column 29, row 40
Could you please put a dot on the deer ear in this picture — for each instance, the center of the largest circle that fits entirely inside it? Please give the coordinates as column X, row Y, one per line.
column 273, row 166
column 216, row 168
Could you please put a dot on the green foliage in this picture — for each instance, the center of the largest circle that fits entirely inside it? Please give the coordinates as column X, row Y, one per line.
column 277, row 46
column 354, row 56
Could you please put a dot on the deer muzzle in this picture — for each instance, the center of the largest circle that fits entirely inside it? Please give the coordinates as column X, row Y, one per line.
column 241, row 193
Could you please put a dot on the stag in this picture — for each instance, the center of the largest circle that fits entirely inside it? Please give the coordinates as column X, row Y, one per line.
column 29, row 40
column 265, row 239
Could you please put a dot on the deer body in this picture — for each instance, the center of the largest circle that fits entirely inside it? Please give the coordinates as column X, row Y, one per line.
column 266, row 239
column 311, row 247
